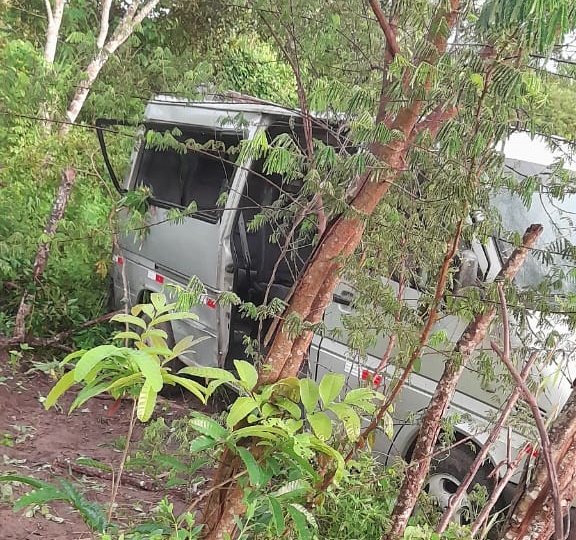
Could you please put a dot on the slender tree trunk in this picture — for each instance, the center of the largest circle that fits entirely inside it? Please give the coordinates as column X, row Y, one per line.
column 52, row 32
column 314, row 290
column 430, row 428
column 58, row 209
column 135, row 13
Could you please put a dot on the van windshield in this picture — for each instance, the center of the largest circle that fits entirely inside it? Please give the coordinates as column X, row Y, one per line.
column 554, row 255
column 179, row 176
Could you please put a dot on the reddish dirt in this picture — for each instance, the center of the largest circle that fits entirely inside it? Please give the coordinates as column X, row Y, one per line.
column 35, row 442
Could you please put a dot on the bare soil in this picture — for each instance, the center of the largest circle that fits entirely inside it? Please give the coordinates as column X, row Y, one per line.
column 46, row 444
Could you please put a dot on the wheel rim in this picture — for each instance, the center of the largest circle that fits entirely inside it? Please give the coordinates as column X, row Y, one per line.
column 442, row 487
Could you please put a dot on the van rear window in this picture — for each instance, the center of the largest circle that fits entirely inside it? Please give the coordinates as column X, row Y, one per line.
column 179, row 176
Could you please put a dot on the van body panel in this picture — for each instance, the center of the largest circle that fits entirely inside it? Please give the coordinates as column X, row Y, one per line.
column 210, row 247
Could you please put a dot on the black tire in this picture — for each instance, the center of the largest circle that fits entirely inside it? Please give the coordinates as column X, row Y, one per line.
column 447, row 472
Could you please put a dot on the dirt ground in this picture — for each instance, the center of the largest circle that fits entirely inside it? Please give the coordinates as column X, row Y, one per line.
column 45, row 445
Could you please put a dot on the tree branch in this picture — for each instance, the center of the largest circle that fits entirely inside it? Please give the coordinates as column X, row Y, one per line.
column 540, row 425
column 391, row 43
column 104, row 23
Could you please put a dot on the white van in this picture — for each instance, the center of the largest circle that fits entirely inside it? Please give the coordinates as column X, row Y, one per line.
column 216, row 244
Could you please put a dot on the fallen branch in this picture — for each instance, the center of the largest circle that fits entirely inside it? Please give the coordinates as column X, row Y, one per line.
column 56, row 339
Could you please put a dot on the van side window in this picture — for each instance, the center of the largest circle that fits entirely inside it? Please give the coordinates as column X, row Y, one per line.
column 201, row 176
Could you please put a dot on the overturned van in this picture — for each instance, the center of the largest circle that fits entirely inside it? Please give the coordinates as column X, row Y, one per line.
column 216, row 244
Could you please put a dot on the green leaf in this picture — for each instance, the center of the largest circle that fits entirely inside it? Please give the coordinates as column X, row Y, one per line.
column 209, row 373
column 186, row 344
column 39, row 496
column 255, row 473
column 28, row 480
column 247, row 373
column 300, row 522
column 240, row 409
column 92, row 358
column 177, row 316
column 146, row 402
column 321, row 425
column 150, row 367
column 130, row 319
column 125, row 381
column 192, row 386
column 128, row 335
column 269, row 433
column 73, row 356
column 158, row 301
column 65, row 382
column 292, row 408
column 87, row 393
column 277, row 516
column 206, row 426
column 89, row 462
column 349, row 417
column 330, row 386
column 309, row 394
column 201, row 443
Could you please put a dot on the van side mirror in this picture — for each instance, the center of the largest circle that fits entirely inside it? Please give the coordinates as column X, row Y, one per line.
column 467, row 275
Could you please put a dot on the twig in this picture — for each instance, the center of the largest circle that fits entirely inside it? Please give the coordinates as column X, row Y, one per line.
column 116, row 484
column 540, row 425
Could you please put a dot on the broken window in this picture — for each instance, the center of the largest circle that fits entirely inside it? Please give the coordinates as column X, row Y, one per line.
column 179, row 176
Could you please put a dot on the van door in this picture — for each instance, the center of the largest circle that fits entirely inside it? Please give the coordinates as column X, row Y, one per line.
column 194, row 178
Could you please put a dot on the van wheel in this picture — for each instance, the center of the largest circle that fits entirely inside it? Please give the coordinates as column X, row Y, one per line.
column 447, row 472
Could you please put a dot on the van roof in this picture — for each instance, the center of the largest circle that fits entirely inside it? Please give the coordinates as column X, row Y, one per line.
column 173, row 109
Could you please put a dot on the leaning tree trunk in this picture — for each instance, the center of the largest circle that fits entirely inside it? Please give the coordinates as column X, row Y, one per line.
column 314, row 290
column 533, row 516
column 430, row 428
column 41, row 259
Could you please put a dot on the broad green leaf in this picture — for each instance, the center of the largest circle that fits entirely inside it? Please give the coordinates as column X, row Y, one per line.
column 292, row 408
column 255, row 473
column 87, row 393
column 387, row 424
column 93, row 357
column 178, row 316
column 156, row 334
column 28, row 480
column 125, row 381
column 146, row 402
column 209, row 373
column 206, row 426
column 158, row 301
column 73, row 356
column 277, row 516
column 130, row 319
column 326, row 449
column 349, row 417
column 300, row 523
column 247, row 373
column 330, row 386
column 150, row 367
column 128, row 335
column 297, row 487
column 65, row 382
column 186, row 343
column 321, row 425
column 192, row 386
column 201, row 443
column 262, row 432
column 240, row 409
column 309, row 394
column 39, row 496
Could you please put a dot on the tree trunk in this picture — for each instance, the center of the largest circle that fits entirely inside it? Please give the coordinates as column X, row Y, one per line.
column 54, row 21
column 58, row 209
column 314, row 290
column 132, row 17
column 430, row 428
column 533, row 516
